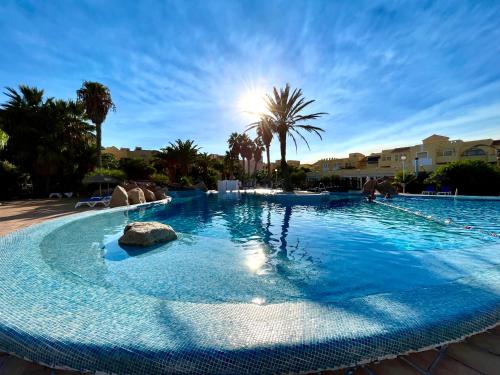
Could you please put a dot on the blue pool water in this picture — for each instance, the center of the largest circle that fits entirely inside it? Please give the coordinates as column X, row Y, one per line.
column 254, row 284
column 254, row 249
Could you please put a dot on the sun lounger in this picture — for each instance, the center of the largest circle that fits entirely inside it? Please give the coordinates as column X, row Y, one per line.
column 91, row 202
column 104, row 201
column 445, row 190
column 55, row 195
column 429, row 190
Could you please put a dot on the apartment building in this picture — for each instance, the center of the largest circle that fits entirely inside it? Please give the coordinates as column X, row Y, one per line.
column 434, row 151
column 137, row 153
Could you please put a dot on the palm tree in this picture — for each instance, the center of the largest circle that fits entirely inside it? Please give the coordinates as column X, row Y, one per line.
column 285, row 112
column 234, row 144
column 265, row 128
column 179, row 155
column 257, row 153
column 246, row 150
column 97, row 101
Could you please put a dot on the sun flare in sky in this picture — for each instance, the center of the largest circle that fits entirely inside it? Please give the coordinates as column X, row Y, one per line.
column 252, row 104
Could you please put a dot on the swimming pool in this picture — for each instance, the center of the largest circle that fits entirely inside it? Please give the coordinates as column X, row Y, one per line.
column 254, row 284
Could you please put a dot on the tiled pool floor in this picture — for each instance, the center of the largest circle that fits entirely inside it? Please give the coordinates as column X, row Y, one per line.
column 479, row 354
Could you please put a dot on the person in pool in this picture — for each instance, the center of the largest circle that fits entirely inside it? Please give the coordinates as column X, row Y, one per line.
column 369, row 189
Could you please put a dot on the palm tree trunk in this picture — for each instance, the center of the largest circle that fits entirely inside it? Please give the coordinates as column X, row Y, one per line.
column 248, row 167
column 98, row 141
column 284, row 166
column 269, row 176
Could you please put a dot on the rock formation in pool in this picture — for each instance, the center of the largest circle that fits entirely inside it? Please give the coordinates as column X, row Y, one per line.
column 146, row 234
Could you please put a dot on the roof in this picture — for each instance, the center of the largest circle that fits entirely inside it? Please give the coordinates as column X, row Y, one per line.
column 401, row 149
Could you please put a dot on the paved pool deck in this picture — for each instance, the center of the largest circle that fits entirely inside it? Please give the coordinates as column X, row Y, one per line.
column 479, row 354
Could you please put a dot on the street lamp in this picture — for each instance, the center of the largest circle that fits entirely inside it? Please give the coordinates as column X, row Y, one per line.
column 276, row 178
column 403, row 159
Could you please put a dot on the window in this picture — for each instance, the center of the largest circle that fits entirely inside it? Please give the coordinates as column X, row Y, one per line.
column 422, row 155
column 325, row 167
column 474, row 151
column 386, row 158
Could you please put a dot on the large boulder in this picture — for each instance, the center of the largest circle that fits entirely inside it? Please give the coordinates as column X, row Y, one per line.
column 146, row 234
column 136, row 196
column 385, row 187
column 130, row 185
column 119, row 197
column 148, row 194
column 160, row 194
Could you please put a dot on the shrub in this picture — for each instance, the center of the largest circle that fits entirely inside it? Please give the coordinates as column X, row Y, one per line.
column 159, row 178
column 298, row 178
column 136, row 169
column 10, row 176
column 470, row 177
column 185, row 181
column 116, row 173
column 109, row 161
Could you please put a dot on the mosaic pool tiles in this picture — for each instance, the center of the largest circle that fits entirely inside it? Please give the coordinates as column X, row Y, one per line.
column 59, row 319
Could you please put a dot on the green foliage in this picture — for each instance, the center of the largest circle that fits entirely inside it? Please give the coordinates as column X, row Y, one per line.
column 109, row 161
column 287, row 121
column 177, row 158
column 115, row 173
column 298, row 178
column 48, row 138
column 96, row 99
column 159, row 178
column 470, row 177
column 10, row 176
column 414, row 185
column 136, row 169
column 185, row 181
column 407, row 178
column 3, row 139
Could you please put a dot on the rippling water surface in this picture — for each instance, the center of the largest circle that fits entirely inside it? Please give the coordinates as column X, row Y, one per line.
column 262, row 250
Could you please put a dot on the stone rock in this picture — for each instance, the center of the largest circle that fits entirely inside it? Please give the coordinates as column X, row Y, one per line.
column 146, row 234
column 119, row 197
column 385, row 187
column 130, row 185
column 136, row 196
column 160, row 194
column 149, row 195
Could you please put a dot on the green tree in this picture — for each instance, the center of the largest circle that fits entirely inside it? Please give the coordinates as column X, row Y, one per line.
column 97, row 101
column 257, row 153
column 48, row 138
column 136, row 169
column 470, row 177
column 265, row 128
column 178, row 156
column 285, row 110
column 109, row 161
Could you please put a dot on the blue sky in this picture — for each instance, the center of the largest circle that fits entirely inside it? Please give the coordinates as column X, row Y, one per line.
column 389, row 73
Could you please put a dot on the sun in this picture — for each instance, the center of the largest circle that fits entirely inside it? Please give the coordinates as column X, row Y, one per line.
column 252, row 104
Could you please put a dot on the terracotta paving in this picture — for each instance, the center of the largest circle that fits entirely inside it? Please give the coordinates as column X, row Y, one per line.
column 18, row 214
column 479, row 354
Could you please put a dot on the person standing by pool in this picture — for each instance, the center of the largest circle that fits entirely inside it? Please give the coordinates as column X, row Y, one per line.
column 369, row 189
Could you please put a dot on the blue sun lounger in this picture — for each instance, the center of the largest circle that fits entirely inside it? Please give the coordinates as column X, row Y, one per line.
column 429, row 190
